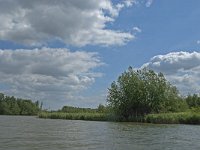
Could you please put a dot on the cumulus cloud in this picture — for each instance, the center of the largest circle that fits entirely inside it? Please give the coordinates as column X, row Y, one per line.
column 74, row 22
column 180, row 68
column 56, row 75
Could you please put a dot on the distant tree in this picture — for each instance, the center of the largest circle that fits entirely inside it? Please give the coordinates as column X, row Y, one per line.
column 193, row 100
column 37, row 103
column 71, row 109
column 41, row 105
column 28, row 107
column 9, row 105
column 101, row 108
column 4, row 108
column 139, row 92
column 1, row 96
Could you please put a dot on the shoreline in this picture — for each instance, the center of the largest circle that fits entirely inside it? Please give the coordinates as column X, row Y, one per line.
column 192, row 118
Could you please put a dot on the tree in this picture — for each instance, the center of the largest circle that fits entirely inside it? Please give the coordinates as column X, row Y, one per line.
column 139, row 92
column 27, row 107
column 9, row 105
column 193, row 100
column 101, row 108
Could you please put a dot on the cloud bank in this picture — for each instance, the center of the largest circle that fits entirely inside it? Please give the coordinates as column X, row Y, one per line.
column 53, row 75
column 180, row 68
column 74, row 22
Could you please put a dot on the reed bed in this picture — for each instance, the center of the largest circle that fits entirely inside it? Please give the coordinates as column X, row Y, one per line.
column 174, row 118
column 74, row 116
column 189, row 117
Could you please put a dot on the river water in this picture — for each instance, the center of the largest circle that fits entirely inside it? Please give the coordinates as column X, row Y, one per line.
column 31, row 133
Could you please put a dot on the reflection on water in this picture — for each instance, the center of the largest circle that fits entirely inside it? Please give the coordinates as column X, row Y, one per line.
column 30, row 133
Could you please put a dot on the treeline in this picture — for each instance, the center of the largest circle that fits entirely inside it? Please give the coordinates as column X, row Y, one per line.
column 193, row 101
column 9, row 105
column 76, row 113
column 70, row 109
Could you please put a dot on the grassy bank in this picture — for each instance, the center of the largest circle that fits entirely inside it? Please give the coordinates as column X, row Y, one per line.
column 174, row 118
column 74, row 116
column 189, row 117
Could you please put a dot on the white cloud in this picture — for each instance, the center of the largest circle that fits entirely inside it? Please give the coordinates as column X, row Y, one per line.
column 198, row 41
column 56, row 76
column 180, row 68
column 129, row 3
column 137, row 29
column 74, row 22
column 149, row 3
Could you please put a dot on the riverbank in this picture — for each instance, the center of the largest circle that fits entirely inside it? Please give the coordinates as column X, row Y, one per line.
column 162, row 118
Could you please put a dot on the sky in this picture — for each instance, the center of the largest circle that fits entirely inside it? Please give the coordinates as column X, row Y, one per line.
column 69, row 52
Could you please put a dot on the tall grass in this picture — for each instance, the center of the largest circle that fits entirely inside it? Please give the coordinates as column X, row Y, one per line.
column 74, row 116
column 189, row 117
column 174, row 118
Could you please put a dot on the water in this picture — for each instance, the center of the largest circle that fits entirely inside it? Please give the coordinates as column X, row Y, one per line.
column 31, row 133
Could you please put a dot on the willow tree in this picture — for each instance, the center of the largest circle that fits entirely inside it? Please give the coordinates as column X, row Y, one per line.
column 139, row 92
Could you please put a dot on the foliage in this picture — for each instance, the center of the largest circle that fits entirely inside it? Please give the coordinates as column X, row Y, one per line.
column 195, row 109
column 174, row 118
column 193, row 100
column 74, row 116
column 102, row 109
column 15, row 106
column 76, row 113
column 70, row 109
column 140, row 92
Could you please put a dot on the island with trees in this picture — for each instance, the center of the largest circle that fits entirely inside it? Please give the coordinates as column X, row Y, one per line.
column 138, row 95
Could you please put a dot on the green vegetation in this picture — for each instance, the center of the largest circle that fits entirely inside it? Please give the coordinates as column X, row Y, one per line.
column 74, row 116
column 12, row 106
column 174, row 118
column 75, row 113
column 69, row 109
column 193, row 101
column 145, row 96
column 141, row 92
column 137, row 95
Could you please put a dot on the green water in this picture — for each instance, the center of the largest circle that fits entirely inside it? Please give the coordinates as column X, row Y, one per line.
column 31, row 133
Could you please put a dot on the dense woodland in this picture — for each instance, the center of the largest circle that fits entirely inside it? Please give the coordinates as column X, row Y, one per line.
column 10, row 105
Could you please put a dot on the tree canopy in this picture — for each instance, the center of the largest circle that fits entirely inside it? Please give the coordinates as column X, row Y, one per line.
column 10, row 105
column 70, row 109
column 139, row 92
column 193, row 100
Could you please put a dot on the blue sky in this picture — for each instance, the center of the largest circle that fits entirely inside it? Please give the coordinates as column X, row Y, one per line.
column 68, row 53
